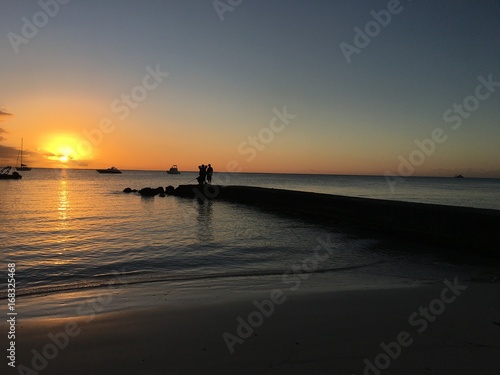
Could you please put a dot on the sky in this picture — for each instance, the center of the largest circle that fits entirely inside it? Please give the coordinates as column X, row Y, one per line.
column 339, row 87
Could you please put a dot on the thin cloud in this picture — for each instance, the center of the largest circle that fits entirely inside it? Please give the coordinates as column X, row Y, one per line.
column 8, row 156
column 3, row 114
column 78, row 163
column 3, row 131
column 7, row 152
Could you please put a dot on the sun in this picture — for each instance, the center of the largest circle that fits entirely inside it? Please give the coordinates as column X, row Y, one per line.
column 65, row 154
column 61, row 149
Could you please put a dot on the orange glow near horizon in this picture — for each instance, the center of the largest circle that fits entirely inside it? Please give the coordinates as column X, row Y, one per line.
column 147, row 142
column 59, row 148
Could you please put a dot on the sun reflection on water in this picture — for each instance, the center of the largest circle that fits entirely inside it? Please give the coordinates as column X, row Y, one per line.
column 63, row 209
column 64, row 206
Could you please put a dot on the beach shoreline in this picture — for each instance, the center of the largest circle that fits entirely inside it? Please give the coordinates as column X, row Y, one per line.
column 318, row 329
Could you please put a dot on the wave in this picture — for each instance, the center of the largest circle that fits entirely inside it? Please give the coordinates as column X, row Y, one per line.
column 133, row 278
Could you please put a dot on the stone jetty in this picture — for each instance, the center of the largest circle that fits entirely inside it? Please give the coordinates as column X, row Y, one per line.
column 457, row 228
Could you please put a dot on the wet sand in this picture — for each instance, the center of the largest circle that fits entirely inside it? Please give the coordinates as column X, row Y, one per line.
column 310, row 331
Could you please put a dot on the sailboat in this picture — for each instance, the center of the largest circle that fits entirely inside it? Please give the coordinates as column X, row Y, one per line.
column 22, row 167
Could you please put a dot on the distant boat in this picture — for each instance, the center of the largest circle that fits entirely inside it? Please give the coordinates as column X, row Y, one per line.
column 173, row 170
column 6, row 175
column 22, row 167
column 458, row 176
column 109, row 170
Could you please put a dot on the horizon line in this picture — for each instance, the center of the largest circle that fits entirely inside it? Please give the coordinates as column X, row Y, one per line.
column 279, row 173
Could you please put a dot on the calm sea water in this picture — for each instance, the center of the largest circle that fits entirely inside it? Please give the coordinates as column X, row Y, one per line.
column 68, row 229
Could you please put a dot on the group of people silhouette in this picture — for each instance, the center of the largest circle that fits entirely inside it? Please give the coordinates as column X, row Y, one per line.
column 206, row 172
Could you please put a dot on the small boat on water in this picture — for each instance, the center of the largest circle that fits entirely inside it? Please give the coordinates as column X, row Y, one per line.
column 173, row 170
column 22, row 167
column 109, row 170
column 6, row 175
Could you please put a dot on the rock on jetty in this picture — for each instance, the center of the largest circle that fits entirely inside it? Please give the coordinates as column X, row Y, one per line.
column 150, row 192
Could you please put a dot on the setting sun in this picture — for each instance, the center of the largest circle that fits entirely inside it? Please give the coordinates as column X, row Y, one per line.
column 61, row 148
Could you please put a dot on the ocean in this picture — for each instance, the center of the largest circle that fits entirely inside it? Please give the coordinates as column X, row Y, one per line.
column 74, row 229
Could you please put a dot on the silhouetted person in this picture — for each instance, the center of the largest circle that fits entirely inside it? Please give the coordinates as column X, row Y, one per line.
column 210, row 172
column 203, row 174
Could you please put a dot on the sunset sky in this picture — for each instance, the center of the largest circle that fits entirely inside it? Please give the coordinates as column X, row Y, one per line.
column 181, row 82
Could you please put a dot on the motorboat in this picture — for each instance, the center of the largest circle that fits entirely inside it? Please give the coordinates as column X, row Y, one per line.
column 173, row 170
column 112, row 170
column 6, row 175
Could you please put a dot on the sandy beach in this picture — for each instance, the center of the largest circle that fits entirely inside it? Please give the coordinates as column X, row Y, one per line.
column 446, row 327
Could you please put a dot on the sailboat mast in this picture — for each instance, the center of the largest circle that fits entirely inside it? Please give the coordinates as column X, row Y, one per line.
column 21, row 152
